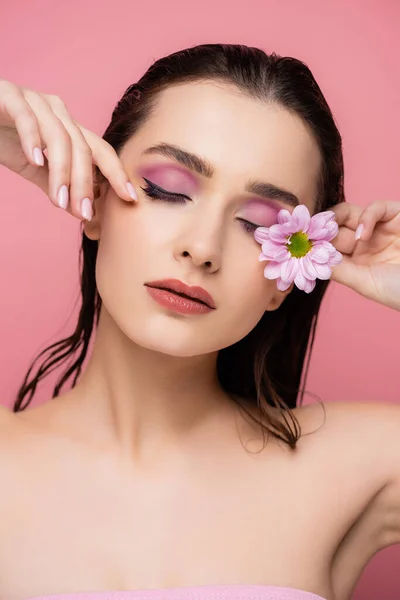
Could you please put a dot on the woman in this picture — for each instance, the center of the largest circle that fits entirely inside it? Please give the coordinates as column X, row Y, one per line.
column 151, row 477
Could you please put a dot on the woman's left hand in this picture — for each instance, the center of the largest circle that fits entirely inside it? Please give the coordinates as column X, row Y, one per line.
column 371, row 265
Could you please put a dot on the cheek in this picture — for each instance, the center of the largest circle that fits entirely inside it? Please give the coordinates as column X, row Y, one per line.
column 123, row 252
column 251, row 296
column 253, row 291
column 129, row 234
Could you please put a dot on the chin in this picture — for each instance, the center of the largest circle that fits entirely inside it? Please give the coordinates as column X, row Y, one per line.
column 173, row 338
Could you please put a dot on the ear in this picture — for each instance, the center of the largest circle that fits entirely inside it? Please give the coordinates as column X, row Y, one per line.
column 92, row 228
column 278, row 298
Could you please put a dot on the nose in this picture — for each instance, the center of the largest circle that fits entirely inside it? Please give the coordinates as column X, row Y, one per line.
column 202, row 243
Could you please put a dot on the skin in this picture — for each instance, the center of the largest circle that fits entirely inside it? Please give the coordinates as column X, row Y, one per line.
column 152, row 378
column 137, row 478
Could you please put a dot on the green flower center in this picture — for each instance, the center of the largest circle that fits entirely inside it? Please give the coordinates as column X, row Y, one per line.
column 299, row 245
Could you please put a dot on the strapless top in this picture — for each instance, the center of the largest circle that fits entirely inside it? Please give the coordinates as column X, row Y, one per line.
column 198, row 592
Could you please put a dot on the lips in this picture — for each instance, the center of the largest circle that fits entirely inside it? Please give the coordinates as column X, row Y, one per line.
column 177, row 286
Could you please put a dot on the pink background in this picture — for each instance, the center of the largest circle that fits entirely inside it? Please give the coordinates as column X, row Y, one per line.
column 88, row 52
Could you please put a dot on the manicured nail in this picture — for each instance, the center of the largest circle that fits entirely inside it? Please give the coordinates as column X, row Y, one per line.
column 38, row 156
column 62, row 197
column 86, row 209
column 359, row 231
column 131, row 190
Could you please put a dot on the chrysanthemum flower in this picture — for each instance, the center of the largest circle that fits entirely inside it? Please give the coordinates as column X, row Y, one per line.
column 299, row 248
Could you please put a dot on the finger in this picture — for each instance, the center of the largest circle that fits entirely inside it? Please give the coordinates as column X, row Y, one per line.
column 25, row 121
column 109, row 163
column 81, row 176
column 57, row 142
column 347, row 214
column 378, row 211
column 345, row 241
column 356, row 277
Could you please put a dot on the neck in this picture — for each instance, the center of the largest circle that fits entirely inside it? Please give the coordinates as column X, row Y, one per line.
column 146, row 402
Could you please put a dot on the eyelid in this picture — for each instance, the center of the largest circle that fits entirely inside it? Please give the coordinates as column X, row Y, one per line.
column 249, row 222
column 160, row 189
column 157, row 187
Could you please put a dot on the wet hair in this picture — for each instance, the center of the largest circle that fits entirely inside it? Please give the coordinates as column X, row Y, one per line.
column 266, row 366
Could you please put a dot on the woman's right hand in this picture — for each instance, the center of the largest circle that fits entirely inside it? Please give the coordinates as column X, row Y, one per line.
column 30, row 122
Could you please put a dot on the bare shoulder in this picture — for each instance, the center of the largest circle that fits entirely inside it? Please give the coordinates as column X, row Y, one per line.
column 22, row 438
column 363, row 440
column 376, row 427
column 359, row 444
column 5, row 413
column 9, row 445
column 358, row 448
column 365, row 433
column 370, row 428
column 7, row 427
column 14, row 427
column 353, row 421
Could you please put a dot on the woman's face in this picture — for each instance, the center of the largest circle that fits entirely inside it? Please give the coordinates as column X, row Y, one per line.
column 201, row 236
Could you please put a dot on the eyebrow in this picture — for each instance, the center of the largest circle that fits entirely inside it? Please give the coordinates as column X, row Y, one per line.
column 206, row 169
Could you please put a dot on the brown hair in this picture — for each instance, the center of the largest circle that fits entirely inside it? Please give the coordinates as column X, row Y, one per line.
column 266, row 366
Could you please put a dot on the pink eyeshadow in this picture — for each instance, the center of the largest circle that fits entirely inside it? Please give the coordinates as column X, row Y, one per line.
column 174, row 178
column 170, row 177
column 261, row 212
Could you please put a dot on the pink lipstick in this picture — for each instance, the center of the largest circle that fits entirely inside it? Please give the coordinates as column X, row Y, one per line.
column 179, row 297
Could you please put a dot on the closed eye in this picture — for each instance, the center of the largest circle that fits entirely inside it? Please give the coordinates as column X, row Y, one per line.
column 154, row 191
column 248, row 226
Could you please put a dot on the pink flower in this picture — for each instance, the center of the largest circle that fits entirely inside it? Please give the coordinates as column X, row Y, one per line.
column 299, row 248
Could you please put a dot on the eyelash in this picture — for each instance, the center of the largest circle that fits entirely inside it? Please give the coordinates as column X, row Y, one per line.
column 157, row 193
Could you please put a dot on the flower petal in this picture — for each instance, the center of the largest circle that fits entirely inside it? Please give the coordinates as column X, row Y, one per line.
column 318, row 222
column 307, row 267
column 310, row 285
column 319, row 254
column 333, row 253
column 290, row 227
column 300, row 280
column 270, row 246
column 323, row 271
column 272, row 270
column 319, row 235
column 277, row 254
column 282, row 255
column 261, row 234
column 283, row 285
column 289, row 269
column 328, row 232
column 321, row 219
column 329, row 215
column 332, row 230
column 336, row 259
column 284, row 216
column 301, row 217
column 276, row 234
column 324, row 244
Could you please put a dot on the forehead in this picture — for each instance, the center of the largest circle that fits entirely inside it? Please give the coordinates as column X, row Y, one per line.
column 242, row 137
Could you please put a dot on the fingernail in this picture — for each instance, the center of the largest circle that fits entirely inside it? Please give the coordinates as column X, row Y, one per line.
column 62, row 197
column 86, row 209
column 359, row 231
column 131, row 190
column 38, row 156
